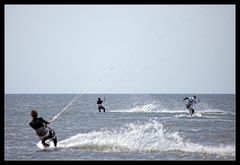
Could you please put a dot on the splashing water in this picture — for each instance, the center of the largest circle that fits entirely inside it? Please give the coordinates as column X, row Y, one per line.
column 140, row 137
column 157, row 109
column 140, row 108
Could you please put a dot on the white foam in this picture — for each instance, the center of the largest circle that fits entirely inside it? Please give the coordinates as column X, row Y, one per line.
column 196, row 114
column 140, row 108
column 143, row 137
column 154, row 108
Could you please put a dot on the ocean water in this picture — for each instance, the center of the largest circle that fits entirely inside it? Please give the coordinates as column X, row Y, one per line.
column 134, row 127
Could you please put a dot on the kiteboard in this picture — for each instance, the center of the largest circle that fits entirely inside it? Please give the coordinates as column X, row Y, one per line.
column 196, row 114
column 48, row 141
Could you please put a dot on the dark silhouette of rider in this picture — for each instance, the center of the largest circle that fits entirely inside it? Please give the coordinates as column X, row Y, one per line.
column 99, row 103
column 42, row 131
column 189, row 105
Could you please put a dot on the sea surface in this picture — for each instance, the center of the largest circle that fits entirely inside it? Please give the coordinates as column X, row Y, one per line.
column 134, row 127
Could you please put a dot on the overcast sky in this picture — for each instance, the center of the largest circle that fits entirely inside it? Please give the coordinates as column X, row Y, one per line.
column 120, row 48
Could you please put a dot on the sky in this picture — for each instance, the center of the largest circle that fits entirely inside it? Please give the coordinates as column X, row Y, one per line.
column 119, row 49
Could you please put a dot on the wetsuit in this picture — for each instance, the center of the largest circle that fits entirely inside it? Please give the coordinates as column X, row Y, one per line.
column 42, row 132
column 190, row 103
column 100, row 106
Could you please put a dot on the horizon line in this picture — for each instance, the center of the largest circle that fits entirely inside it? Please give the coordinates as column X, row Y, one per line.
column 124, row 93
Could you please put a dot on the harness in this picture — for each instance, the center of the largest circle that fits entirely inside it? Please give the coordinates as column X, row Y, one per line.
column 42, row 132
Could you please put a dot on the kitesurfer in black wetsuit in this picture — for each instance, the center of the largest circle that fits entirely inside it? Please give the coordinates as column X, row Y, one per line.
column 189, row 105
column 42, row 131
column 99, row 103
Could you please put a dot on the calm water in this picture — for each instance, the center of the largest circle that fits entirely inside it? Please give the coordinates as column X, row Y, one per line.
column 134, row 127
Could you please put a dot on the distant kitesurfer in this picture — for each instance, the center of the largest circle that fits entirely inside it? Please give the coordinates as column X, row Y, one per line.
column 99, row 103
column 42, row 131
column 189, row 105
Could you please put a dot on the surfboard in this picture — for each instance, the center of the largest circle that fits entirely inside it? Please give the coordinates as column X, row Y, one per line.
column 48, row 141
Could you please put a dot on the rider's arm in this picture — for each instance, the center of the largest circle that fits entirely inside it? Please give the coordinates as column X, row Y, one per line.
column 185, row 98
column 44, row 121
